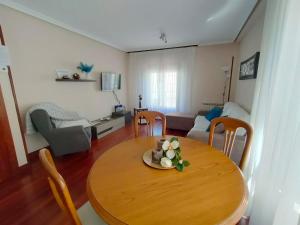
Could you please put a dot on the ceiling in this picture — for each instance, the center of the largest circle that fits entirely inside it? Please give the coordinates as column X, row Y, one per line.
column 132, row 25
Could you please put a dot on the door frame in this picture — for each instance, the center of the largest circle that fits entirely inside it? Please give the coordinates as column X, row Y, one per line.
column 8, row 154
column 21, row 126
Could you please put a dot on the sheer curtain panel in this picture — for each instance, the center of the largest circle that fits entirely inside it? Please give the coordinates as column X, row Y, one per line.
column 273, row 171
column 163, row 78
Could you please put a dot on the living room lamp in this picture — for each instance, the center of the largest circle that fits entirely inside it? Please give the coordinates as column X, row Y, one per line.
column 4, row 57
column 225, row 70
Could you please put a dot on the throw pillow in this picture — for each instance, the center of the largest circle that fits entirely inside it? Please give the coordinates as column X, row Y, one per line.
column 214, row 113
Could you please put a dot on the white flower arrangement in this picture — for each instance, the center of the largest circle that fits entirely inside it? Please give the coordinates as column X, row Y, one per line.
column 165, row 162
column 172, row 155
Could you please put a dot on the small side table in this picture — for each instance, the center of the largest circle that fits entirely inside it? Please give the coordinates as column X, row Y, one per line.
column 136, row 111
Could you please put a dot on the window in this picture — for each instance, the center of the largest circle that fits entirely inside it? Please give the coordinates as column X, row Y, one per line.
column 163, row 90
column 163, row 78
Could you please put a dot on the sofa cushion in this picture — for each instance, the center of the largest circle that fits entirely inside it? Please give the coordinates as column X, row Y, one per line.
column 218, row 143
column 233, row 110
column 220, row 128
column 201, row 123
column 70, row 123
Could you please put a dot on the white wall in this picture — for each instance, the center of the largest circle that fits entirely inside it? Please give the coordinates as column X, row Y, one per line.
column 250, row 43
column 38, row 48
column 209, row 83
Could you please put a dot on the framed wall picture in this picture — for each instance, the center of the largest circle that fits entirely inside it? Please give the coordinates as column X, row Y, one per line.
column 248, row 68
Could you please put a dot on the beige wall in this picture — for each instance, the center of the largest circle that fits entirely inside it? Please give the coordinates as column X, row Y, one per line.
column 209, row 82
column 249, row 44
column 38, row 48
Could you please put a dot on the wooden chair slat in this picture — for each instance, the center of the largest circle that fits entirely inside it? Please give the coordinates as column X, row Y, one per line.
column 150, row 117
column 58, row 186
column 231, row 125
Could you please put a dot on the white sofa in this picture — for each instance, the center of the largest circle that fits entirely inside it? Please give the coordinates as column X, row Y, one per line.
column 231, row 109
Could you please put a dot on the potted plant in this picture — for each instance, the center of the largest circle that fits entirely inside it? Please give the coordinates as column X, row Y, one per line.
column 85, row 68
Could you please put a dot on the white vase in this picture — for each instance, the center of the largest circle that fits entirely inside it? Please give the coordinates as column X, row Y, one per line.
column 87, row 76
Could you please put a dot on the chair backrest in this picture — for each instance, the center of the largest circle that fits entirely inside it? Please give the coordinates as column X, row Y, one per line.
column 150, row 117
column 58, row 186
column 231, row 125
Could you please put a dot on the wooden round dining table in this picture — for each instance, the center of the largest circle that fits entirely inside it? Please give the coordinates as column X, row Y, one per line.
column 124, row 190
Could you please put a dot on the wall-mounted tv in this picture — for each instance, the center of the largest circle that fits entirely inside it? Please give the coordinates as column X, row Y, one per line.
column 110, row 81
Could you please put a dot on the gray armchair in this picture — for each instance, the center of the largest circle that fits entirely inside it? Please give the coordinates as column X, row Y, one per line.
column 62, row 141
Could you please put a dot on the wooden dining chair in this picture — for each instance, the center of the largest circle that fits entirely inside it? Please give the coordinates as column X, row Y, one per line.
column 231, row 125
column 150, row 117
column 85, row 214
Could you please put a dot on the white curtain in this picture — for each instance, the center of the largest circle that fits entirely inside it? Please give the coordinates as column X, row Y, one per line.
column 273, row 171
column 163, row 78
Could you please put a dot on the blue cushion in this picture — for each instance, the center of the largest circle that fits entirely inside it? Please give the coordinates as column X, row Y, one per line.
column 213, row 113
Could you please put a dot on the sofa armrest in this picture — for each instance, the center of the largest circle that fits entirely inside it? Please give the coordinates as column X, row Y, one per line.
column 67, row 132
column 68, row 140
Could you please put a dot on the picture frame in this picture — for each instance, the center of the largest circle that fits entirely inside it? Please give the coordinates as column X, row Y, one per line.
column 249, row 67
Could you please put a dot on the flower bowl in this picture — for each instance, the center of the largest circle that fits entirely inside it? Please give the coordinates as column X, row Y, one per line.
column 147, row 158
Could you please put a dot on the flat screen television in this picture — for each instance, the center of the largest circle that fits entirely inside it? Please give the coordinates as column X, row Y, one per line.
column 110, row 81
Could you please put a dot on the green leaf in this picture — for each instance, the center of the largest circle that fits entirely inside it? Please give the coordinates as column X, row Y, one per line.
column 173, row 139
column 175, row 161
column 179, row 167
column 186, row 163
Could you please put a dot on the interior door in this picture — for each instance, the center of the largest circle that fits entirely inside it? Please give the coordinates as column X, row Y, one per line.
column 8, row 160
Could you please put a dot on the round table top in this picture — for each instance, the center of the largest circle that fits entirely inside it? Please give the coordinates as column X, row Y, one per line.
column 124, row 190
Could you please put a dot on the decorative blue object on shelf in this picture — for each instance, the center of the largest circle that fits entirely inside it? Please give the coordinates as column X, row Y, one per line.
column 83, row 67
column 214, row 113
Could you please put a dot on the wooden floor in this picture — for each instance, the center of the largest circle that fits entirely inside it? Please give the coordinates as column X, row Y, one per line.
column 26, row 197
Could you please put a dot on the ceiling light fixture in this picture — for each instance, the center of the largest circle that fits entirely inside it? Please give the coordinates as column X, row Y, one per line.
column 163, row 37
